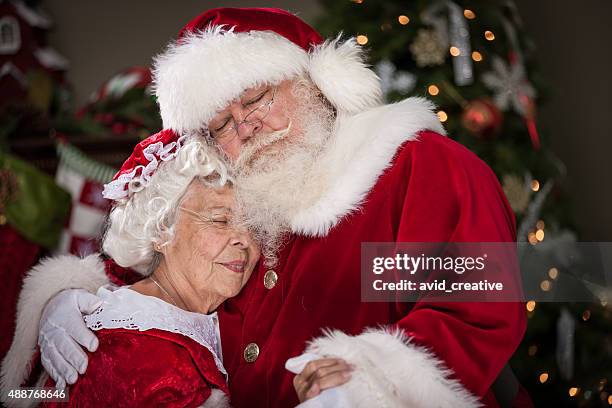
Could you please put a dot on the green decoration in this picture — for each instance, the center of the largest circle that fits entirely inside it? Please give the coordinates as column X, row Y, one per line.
column 31, row 202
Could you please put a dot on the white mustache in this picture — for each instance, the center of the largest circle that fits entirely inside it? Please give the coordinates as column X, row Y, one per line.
column 258, row 142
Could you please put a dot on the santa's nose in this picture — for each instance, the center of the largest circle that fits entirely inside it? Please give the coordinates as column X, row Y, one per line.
column 248, row 130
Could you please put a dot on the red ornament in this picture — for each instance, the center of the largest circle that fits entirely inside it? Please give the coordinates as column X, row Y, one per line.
column 118, row 128
column 482, row 118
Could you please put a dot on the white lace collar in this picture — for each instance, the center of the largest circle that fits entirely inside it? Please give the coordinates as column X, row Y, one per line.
column 126, row 309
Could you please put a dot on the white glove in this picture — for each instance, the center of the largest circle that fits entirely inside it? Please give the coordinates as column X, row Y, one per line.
column 63, row 330
column 335, row 397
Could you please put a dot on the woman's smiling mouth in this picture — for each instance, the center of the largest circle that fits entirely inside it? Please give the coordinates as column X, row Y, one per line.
column 235, row 266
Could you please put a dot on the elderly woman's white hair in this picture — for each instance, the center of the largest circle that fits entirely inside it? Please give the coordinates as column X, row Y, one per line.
column 146, row 218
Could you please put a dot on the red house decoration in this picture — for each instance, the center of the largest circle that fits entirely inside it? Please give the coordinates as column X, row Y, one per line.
column 24, row 51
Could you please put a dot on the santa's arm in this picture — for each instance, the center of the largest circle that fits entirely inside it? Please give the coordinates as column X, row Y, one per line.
column 439, row 354
column 461, row 200
column 44, row 281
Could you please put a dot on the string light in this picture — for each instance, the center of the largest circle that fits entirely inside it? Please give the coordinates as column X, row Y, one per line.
column 454, row 51
column 476, row 56
column 433, row 90
column 357, row 1
column 573, row 391
column 531, row 237
column 531, row 305
column 442, row 116
column 610, row 400
column 553, row 273
column 362, row 39
column 539, row 235
column 586, row 315
column 532, row 350
column 543, row 377
column 489, row 35
column 602, row 384
column 469, row 14
column 535, row 185
column 403, row 20
column 545, row 285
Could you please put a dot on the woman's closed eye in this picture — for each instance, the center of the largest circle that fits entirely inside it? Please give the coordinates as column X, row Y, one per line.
column 219, row 220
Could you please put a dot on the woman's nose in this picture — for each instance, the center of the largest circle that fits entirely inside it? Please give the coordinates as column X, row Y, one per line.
column 239, row 240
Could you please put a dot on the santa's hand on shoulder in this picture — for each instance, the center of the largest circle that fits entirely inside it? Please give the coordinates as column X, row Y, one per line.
column 318, row 379
column 62, row 333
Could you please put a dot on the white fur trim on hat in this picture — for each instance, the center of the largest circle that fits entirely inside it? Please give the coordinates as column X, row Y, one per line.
column 45, row 280
column 202, row 72
column 339, row 71
column 199, row 74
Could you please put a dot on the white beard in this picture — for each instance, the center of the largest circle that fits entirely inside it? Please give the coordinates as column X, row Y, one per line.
column 278, row 175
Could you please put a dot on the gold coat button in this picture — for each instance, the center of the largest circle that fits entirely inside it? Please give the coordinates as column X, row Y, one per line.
column 251, row 352
column 270, row 279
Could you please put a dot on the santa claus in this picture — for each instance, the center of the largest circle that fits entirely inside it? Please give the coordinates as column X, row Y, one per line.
column 321, row 167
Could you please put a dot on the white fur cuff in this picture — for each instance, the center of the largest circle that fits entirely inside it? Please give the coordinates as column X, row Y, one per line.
column 45, row 280
column 393, row 372
column 217, row 399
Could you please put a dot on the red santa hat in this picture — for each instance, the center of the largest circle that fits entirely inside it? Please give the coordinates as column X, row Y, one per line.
column 224, row 51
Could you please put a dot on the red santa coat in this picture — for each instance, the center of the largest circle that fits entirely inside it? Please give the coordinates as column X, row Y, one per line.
column 394, row 178
column 121, row 373
column 435, row 191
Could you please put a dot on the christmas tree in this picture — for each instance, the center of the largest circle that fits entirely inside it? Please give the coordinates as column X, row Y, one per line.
column 474, row 60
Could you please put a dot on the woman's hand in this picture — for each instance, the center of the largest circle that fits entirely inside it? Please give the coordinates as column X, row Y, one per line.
column 319, row 375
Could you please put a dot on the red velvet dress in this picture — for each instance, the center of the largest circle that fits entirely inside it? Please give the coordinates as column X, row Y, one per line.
column 150, row 368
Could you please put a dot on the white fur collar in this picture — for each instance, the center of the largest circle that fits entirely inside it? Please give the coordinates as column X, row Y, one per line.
column 362, row 148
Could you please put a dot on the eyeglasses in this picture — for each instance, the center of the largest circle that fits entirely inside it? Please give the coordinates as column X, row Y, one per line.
column 228, row 131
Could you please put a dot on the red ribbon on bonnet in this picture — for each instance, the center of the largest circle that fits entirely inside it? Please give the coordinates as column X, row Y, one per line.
column 138, row 169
